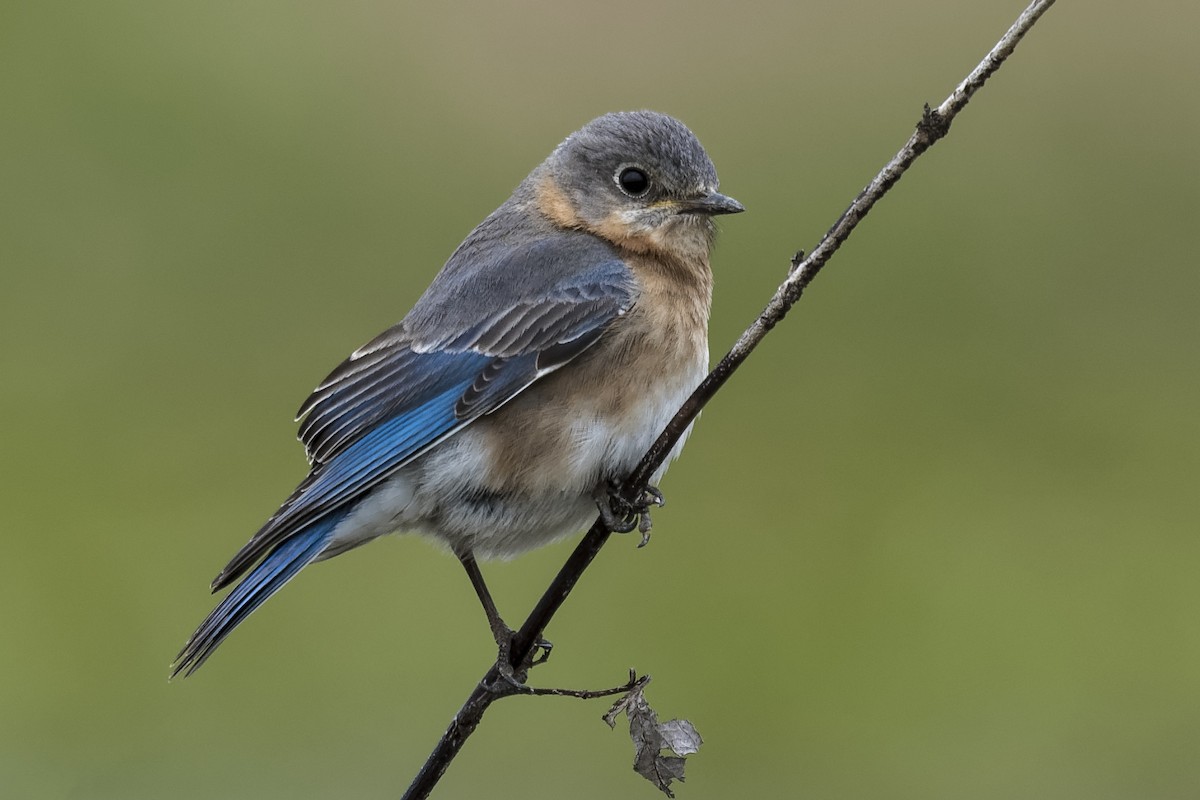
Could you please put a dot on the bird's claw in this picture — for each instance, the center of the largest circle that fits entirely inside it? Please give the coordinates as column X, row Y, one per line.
column 621, row 516
column 515, row 676
column 651, row 496
column 541, row 652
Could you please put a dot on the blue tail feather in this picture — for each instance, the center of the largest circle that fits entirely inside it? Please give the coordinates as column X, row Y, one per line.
column 280, row 566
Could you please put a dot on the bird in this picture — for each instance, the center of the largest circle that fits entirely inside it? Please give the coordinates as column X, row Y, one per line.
column 524, row 385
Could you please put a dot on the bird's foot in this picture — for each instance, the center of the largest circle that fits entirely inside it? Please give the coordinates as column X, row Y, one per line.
column 515, row 677
column 621, row 516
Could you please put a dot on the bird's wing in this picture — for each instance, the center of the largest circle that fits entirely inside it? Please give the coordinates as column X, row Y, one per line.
column 416, row 384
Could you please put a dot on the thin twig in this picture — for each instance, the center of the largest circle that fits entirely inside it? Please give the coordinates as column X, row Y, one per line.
column 634, row 682
column 934, row 124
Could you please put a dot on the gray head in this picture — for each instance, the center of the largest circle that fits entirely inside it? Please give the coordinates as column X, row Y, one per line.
column 639, row 179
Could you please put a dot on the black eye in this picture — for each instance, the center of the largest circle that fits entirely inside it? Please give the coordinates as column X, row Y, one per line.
column 633, row 182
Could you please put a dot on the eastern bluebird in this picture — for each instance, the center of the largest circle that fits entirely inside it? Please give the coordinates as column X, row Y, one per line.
column 537, row 368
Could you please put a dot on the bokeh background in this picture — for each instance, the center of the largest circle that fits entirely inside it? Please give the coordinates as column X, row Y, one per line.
column 938, row 539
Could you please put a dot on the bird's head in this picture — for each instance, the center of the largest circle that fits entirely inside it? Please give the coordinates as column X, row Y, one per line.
column 638, row 179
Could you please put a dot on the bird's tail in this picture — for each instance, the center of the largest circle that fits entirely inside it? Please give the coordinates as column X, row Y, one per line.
column 280, row 566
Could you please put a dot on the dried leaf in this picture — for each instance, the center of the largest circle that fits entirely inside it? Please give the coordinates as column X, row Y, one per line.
column 681, row 736
column 677, row 737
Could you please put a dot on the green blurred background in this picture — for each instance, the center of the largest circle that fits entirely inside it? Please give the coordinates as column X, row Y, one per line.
column 938, row 539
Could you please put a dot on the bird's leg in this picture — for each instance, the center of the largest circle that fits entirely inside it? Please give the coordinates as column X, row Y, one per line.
column 500, row 631
column 622, row 516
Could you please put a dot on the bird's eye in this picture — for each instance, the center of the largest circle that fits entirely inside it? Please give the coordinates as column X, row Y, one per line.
column 633, row 182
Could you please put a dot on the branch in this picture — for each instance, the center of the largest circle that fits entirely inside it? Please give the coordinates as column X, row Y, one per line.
column 934, row 124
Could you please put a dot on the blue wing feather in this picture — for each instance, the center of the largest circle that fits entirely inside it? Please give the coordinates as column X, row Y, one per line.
column 383, row 448
column 280, row 566
column 361, row 465
column 400, row 380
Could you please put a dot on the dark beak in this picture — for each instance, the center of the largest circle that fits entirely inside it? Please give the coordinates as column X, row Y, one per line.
column 711, row 204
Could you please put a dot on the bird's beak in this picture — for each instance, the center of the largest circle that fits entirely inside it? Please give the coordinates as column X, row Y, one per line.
column 711, row 204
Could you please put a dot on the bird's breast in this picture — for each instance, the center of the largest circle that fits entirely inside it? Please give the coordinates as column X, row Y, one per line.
column 594, row 418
